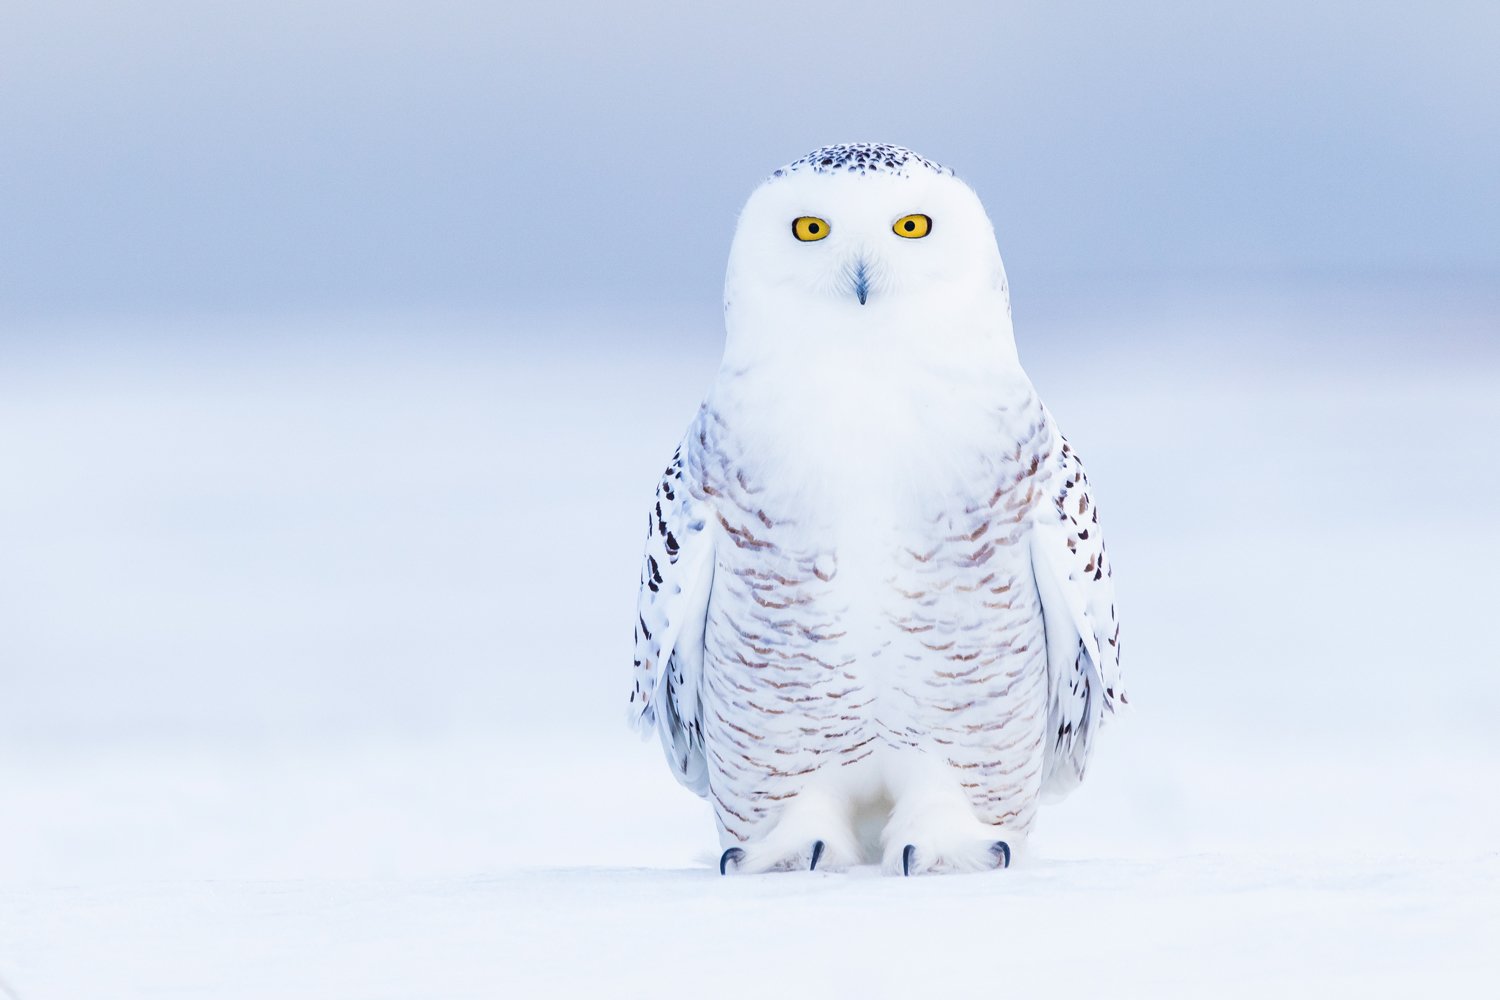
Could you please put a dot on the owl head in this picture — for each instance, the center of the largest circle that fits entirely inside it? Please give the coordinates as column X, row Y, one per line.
column 864, row 243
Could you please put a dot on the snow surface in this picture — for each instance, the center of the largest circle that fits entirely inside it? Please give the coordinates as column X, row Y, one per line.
column 314, row 637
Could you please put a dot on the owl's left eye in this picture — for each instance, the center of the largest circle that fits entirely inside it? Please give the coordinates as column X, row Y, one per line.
column 913, row 227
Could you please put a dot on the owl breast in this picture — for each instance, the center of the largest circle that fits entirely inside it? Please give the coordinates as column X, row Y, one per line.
column 882, row 608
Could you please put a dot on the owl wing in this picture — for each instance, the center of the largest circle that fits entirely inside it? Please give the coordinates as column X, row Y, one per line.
column 1073, row 578
column 676, row 578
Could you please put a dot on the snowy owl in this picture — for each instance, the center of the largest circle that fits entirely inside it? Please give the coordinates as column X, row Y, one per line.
column 876, row 618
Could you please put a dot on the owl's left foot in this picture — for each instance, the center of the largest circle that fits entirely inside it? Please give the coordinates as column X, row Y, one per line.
column 933, row 826
column 998, row 853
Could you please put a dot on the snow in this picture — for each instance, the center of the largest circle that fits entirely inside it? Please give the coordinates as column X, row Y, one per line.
column 314, row 640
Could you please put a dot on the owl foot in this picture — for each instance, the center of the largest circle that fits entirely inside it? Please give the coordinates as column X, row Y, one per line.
column 933, row 835
column 814, row 832
column 965, row 858
column 765, row 857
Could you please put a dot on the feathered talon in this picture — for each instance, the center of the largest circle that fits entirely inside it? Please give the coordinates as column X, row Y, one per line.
column 817, row 853
column 735, row 854
column 906, row 856
column 1001, row 850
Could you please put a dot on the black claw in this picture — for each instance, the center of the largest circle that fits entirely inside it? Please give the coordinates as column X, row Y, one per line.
column 906, row 854
column 817, row 853
column 1001, row 850
column 735, row 854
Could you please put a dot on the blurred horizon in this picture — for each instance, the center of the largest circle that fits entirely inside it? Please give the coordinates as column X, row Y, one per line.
column 259, row 530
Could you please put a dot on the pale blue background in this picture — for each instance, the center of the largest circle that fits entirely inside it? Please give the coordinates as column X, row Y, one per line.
column 161, row 158
column 340, row 342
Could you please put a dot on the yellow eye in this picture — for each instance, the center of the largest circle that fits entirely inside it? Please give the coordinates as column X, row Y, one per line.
column 913, row 227
column 809, row 229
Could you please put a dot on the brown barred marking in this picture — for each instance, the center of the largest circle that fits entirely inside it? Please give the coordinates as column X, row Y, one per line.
column 789, row 683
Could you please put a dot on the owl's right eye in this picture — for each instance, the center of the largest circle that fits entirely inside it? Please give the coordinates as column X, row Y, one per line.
column 809, row 228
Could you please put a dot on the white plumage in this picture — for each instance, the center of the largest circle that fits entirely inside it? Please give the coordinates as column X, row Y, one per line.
column 876, row 618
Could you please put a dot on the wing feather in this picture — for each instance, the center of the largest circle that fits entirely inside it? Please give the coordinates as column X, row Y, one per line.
column 676, row 580
column 1074, row 580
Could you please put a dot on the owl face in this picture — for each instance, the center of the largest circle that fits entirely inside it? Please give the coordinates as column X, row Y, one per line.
column 860, row 234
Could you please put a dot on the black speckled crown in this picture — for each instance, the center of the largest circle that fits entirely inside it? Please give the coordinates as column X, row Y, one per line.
column 861, row 158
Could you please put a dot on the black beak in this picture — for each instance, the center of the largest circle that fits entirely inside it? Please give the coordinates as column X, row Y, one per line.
column 861, row 282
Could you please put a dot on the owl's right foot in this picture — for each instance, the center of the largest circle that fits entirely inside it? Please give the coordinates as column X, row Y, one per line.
column 765, row 857
column 813, row 833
